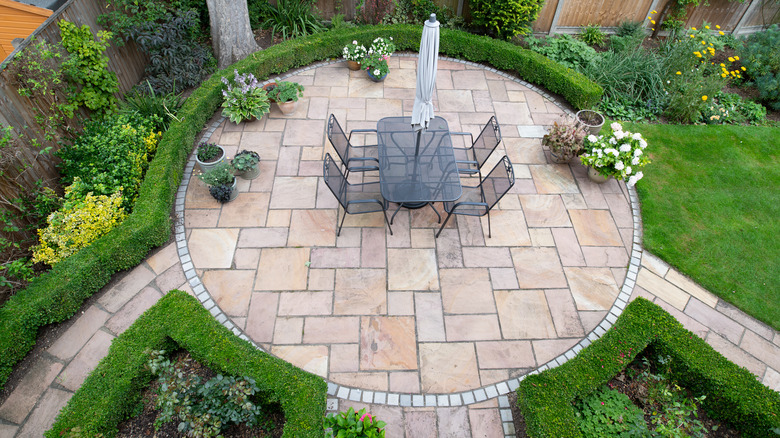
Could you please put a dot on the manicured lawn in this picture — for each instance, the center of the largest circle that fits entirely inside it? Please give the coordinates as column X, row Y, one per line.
column 711, row 207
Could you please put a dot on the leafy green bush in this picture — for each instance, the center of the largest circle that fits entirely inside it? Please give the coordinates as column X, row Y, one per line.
column 630, row 28
column 354, row 424
column 203, row 408
column 505, row 18
column 81, row 221
column 110, row 155
column 733, row 393
column 761, row 59
column 176, row 60
column 92, row 84
column 292, row 18
column 563, row 49
column 632, row 77
column 123, row 15
column 592, row 35
column 607, row 412
column 112, row 391
column 728, row 108
column 417, row 11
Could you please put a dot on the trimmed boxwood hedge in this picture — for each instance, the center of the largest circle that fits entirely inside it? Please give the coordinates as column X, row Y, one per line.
column 113, row 390
column 58, row 294
column 733, row 393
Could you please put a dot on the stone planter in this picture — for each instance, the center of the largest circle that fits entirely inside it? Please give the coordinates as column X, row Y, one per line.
column 559, row 157
column 592, row 120
column 250, row 174
column 206, row 166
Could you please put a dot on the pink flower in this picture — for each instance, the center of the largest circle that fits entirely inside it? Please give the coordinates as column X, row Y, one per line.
column 366, row 415
column 602, row 403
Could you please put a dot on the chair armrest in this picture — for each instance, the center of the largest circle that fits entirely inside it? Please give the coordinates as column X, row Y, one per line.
column 360, row 131
column 471, row 137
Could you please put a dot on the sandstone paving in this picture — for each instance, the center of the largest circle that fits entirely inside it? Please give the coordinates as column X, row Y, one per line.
column 443, row 320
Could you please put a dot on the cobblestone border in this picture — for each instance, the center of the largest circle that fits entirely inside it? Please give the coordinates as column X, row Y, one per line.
column 496, row 390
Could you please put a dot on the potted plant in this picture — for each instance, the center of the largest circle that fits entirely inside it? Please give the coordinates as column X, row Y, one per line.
column 618, row 154
column 245, row 99
column 354, row 424
column 221, row 182
column 565, row 141
column 375, row 61
column 209, row 155
column 592, row 120
column 245, row 164
column 286, row 95
column 354, row 54
column 269, row 87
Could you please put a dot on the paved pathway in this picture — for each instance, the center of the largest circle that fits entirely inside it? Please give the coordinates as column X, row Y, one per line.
column 429, row 334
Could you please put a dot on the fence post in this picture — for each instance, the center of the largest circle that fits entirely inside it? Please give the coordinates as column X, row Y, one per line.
column 554, row 24
column 653, row 7
column 746, row 16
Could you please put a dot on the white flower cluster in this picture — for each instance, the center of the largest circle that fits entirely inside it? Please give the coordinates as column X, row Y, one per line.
column 354, row 52
column 617, row 154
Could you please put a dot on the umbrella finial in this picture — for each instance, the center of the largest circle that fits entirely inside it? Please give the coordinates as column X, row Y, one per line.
column 433, row 18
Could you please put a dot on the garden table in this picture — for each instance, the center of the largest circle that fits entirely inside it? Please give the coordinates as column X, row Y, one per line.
column 416, row 168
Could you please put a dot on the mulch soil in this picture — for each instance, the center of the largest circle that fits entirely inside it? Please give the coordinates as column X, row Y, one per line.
column 637, row 391
column 142, row 425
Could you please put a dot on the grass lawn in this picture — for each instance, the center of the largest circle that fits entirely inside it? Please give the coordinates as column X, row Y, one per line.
column 711, row 208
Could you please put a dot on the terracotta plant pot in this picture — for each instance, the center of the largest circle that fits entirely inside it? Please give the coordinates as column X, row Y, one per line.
column 268, row 87
column 353, row 65
column 288, row 107
column 592, row 120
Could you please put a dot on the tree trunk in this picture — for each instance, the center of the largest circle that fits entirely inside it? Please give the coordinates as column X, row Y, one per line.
column 231, row 34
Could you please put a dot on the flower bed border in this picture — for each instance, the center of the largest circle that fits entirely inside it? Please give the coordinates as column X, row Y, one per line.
column 57, row 295
column 112, row 391
column 733, row 393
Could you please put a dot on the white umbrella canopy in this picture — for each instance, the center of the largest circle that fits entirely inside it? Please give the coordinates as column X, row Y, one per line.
column 427, row 65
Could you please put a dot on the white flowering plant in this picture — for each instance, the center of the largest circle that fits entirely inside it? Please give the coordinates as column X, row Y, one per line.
column 354, row 52
column 382, row 47
column 619, row 154
column 376, row 64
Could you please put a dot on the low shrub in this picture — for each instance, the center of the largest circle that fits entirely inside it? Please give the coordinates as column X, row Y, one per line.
column 564, row 49
column 110, row 155
column 733, row 393
column 607, row 412
column 160, row 108
column 77, row 224
column 177, row 61
column 592, row 35
column 57, row 295
column 505, row 18
column 762, row 63
column 112, row 392
column 292, row 18
column 728, row 108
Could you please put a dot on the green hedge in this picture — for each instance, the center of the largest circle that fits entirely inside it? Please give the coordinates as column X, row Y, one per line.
column 57, row 295
column 113, row 390
column 733, row 393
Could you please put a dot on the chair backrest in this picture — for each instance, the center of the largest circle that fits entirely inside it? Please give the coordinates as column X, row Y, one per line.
column 338, row 138
column 498, row 182
column 335, row 180
column 487, row 141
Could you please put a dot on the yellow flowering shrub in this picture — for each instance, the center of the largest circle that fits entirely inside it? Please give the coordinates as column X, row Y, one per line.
column 77, row 225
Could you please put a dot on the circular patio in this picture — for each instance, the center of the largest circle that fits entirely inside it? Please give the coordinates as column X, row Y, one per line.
column 408, row 319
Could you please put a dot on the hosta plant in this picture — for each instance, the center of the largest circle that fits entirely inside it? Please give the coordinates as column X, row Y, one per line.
column 618, row 154
column 244, row 98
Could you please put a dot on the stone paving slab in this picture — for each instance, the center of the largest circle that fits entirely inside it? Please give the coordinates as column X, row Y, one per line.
column 428, row 400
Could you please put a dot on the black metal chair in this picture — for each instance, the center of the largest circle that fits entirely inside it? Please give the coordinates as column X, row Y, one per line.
column 477, row 201
column 471, row 158
column 346, row 150
column 353, row 198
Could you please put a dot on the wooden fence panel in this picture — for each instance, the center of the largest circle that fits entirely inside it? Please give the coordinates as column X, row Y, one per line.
column 724, row 13
column 607, row 13
column 766, row 14
column 544, row 20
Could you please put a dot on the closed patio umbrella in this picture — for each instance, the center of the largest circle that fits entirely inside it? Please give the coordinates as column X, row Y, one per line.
column 422, row 111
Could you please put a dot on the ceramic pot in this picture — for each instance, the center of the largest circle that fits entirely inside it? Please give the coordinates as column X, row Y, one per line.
column 559, row 158
column 374, row 78
column 353, row 65
column 596, row 177
column 592, row 120
column 206, row 166
column 287, row 107
column 234, row 190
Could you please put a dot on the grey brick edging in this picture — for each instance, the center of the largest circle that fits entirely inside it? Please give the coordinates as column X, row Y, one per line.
column 497, row 390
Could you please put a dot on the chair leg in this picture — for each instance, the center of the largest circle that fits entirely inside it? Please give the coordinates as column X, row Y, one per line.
column 338, row 233
column 444, row 224
column 488, row 215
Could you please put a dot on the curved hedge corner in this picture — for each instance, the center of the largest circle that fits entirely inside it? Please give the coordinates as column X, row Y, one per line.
column 57, row 295
column 113, row 390
column 733, row 393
